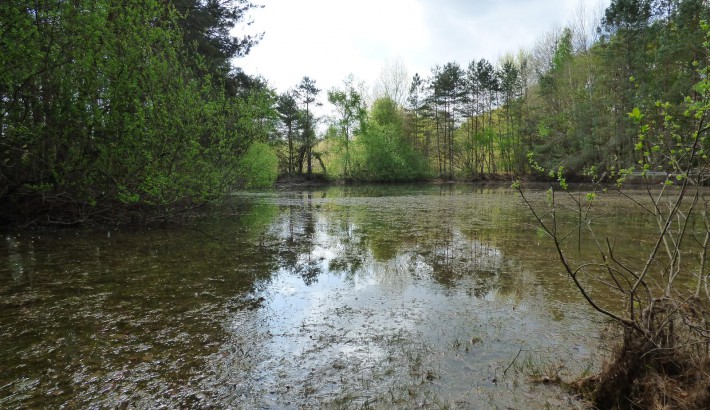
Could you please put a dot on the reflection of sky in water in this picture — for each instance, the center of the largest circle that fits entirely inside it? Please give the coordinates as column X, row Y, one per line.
column 442, row 309
column 398, row 297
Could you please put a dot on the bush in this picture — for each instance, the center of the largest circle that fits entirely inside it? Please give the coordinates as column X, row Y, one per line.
column 383, row 156
column 259, row 166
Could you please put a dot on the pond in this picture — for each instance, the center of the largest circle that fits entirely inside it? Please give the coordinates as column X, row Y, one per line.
column 424, row 296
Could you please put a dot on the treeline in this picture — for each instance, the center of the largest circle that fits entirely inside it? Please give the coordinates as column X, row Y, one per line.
column 564, row 103
column 133, row 111
column 125, row 111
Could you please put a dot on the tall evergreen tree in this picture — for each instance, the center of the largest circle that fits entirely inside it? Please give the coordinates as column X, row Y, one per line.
column 287, row 108
column 102, row 115
column 415, row 103
column 208, row 28
column 488, row 82
column 307, row 94
column 448, row 89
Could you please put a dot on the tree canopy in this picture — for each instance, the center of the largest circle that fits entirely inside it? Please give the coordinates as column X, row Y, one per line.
column 135, row 111
column 107, row 116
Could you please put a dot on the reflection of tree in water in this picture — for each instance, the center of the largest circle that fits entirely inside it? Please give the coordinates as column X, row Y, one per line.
column 297, row 228
column 20, row 260
column 456, row 258
column 350, row 256
column 436, row 235
column 308, row 267
column 346, row 238
column 113, row 309
column 476, row 240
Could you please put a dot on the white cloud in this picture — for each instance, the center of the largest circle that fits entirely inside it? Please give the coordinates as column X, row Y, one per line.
column 327, row 40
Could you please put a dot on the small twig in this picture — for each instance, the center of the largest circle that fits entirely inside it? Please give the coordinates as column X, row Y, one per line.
column 630, row 198
column 516, row 358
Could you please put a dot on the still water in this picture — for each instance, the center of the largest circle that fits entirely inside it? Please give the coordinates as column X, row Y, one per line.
column 340, row 297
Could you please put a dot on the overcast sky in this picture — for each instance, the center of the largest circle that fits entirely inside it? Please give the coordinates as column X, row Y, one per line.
column 329, row 39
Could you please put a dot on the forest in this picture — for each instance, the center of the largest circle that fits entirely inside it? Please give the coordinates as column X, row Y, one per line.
column 137, row 111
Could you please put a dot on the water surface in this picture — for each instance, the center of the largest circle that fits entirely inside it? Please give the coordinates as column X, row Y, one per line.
column 341, row 297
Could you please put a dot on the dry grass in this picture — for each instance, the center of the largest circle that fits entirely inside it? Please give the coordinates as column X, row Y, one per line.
column 670, row 371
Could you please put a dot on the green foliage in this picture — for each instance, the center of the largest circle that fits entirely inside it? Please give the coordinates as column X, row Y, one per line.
column 288, row 113
column 307, row 94
column 563, row 51
column 636, row 115
column 386, row 113
column 666, row 142
column 381, row 152
column 258, row 167
column 588, row 103
column 135, row 106
column 383, row 156
column 208, row 28
column 652, row 296
column 102, row 117
column 350, row 120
